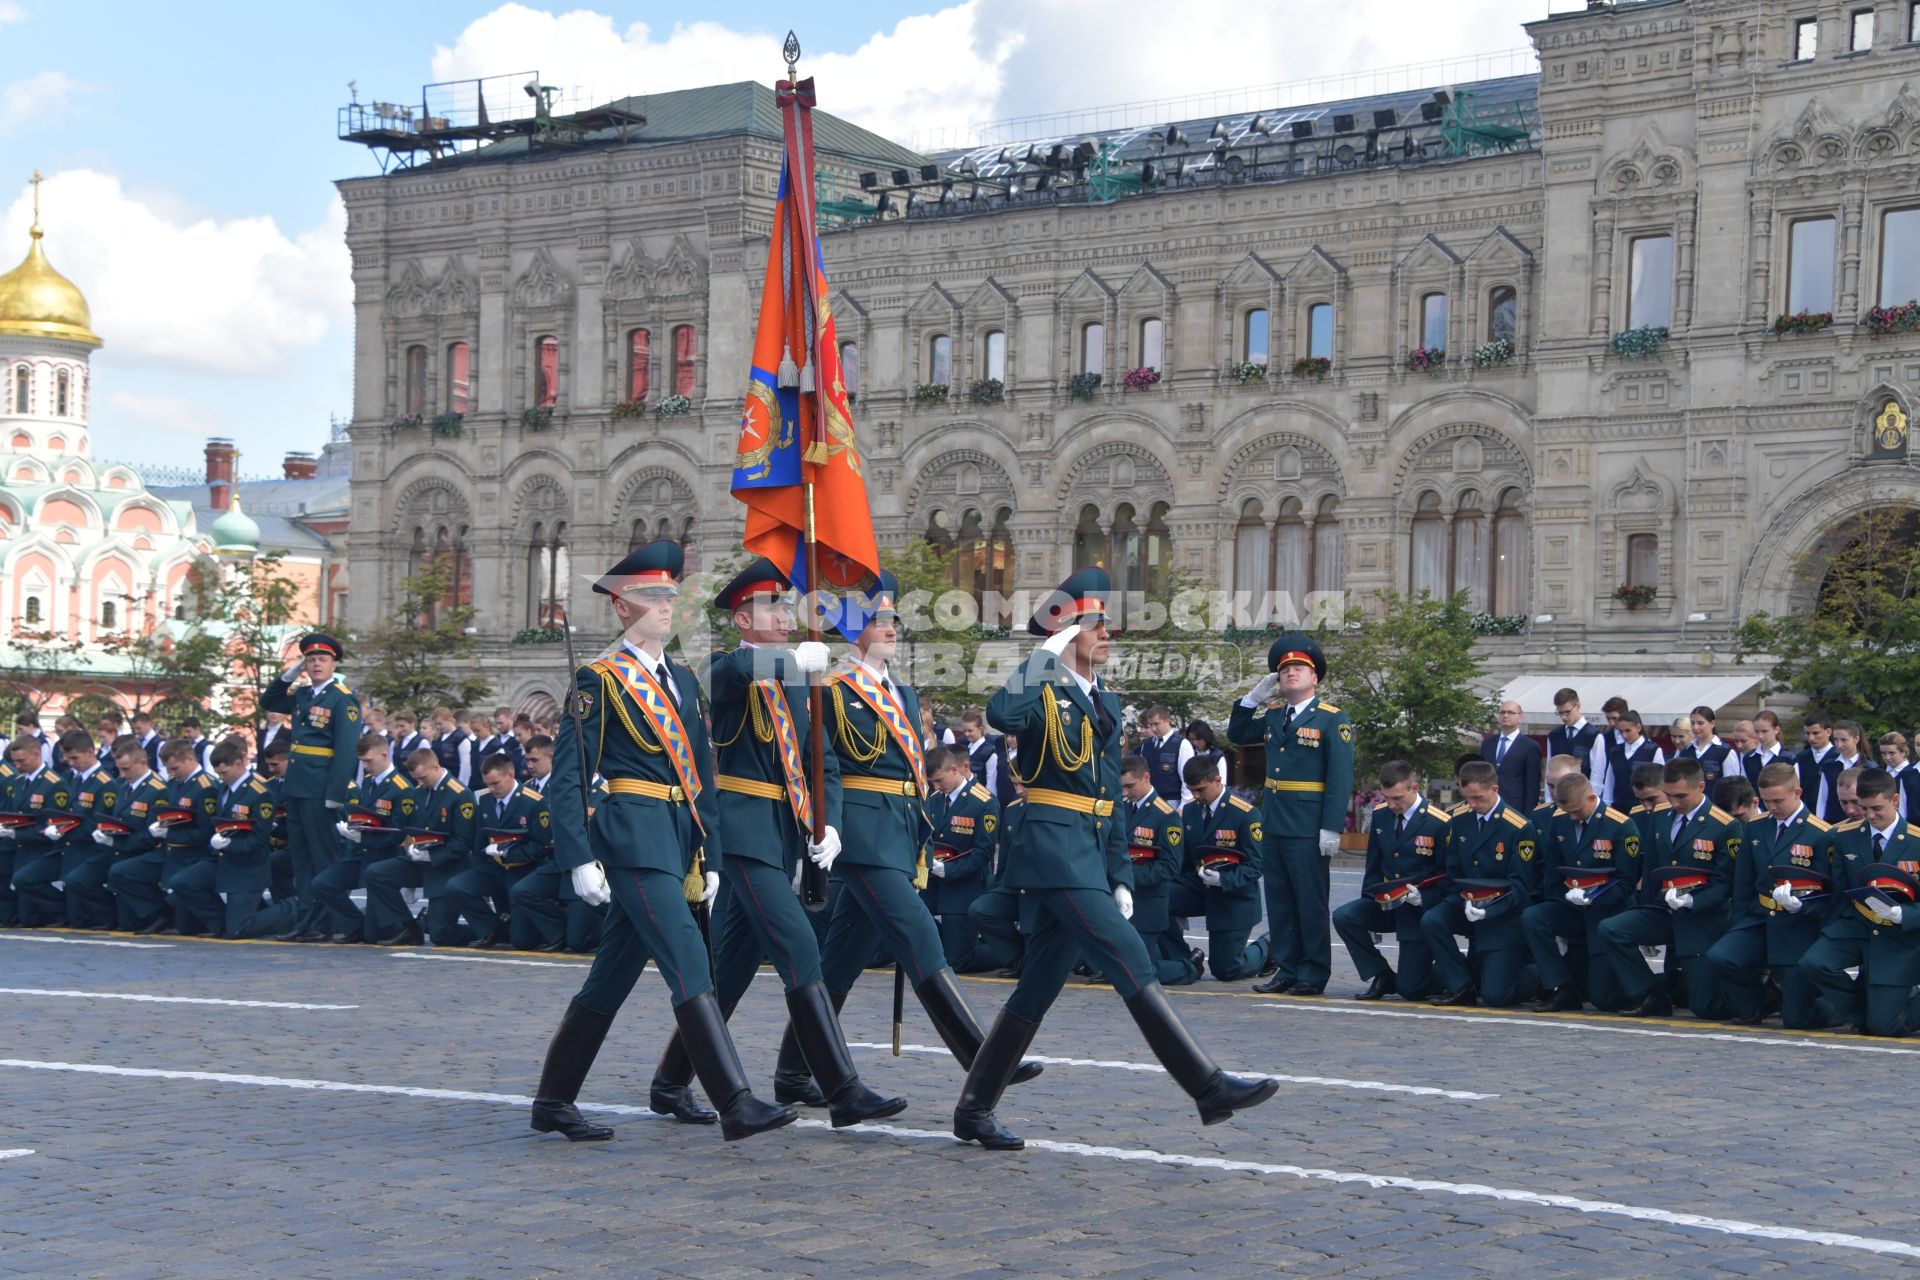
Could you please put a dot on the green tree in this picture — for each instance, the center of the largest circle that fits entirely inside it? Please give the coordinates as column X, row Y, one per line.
column 1406, row 679
column 1856, row 654
column 939, row 641
column 1166, row 657
column 41, row 663
column 257, row 600
column 415, row 657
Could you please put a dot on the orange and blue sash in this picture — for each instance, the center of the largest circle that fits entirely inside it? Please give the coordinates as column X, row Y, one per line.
column 890, row 712
column 789, row 743
column 661, row 715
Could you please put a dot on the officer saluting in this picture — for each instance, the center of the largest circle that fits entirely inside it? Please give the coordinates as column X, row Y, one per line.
column 638, row 715
column 1070, row 863
column 1309, row 744
column 326, row 728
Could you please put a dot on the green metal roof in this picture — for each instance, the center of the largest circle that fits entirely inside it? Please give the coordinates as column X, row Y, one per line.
column 715, row 111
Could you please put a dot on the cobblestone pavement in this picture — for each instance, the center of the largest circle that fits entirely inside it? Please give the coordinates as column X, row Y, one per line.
column 355, row 1111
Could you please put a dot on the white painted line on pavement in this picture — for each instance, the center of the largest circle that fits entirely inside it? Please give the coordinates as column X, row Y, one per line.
column 1762, row 1041
column 152, row 999
column 1376, row 1181
column 17, row 1151
column 1331, row 1082
column 530, row 964
column 84, row 942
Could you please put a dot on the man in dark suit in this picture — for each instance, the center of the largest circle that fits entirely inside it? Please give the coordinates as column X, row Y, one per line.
column 1515, row 758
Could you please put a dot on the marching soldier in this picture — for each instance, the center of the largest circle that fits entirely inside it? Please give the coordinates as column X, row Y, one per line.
column 1071, row 867
column 1876, row 930
column 370, row 833
column 1223, row 851
column 1686, row 890
column 1782, row 897
column 238, row 869
column 1309, row 745
column 326, row 730
column 1493, row 864
column 1406, row 849
column 965, row 821
column 758, row 696
column 1592, row 868
column 1156, row 845
column 634, row 717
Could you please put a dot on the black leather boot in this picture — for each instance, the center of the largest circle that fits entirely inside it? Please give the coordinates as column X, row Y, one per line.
column 988, row 1077
column 669, row 1095
column 947, row 1010
column 569, row 1057
column 1217, row 1094
column 810, row 1013
column 717, row 1063
column 792, row 1081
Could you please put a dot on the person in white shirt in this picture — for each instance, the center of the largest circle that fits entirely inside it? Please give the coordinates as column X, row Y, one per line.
column 1894, row 759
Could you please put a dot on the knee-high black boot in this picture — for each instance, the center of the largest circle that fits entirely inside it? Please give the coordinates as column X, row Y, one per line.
column 811, row 1015
column 1217, row 1094
column 710, row 1049
column 988, row 1077
column 569, row 1057
column 947, row 1010
column 792, row 1081
column 669, row 1094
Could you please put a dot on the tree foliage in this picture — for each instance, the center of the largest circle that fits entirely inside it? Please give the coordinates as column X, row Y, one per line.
column 1856, row 654
column 43, row 663
column 422, row 654
column 939, row 641
column 1406, row 679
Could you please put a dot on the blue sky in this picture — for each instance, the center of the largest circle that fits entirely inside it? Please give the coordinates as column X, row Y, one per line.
column 190, row 148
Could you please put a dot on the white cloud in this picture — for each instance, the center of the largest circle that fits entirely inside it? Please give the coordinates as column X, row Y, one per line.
column 158, row 411
column 10, row 12
column 38, row 97
column 200, row 296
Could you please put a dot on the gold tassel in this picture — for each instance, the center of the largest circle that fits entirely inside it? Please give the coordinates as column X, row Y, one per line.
column 695, row 885
column 920, row 871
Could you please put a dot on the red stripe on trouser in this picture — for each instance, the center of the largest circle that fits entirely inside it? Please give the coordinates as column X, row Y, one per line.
column 658, row 933
column 899, row 942
column 768, row 932
column 1091, row 934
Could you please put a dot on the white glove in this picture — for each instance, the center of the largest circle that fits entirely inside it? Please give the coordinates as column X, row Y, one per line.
column 1056, row 644
column 1476, row 913
column 823, row 852
column 1413, row 898
column 415, row 853
column 292, row 673
column 1678, row 901
column 1123, row 899
column 935, row 867
column 810, row 656
column 1578, row 897
column 50, row 833
column 494, row 851
column 590, row 885
column 1784, row 899
column 219, row 842
column 1891, row 912
column 336, row 804
column 1329, row 843
column 348, row 832
column 102, row 839
column 158, row 831
column 1263, row 692
column 713, row 887
column 8, row 833
column 1210, row 876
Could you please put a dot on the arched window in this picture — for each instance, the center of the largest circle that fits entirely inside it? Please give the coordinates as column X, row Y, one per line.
column 62, row 397
column 1433, row 322
column 1430, row 550
column 546, row 371
column 1512, row 566
column 967, row 569
column 1329, row 547
column 1157, row 551
column 109, row 614
column 999, row 570
column 639, row 360
column 1124, row 563
column 996, row 356
column 547, row 569
column 938, row 536
column 1470, row 568
column 1290, row 553
column 940, row 360
column 414, row 398
column 22, row 388
column 1253, row 345
column 459, row 378
column 1250, row 562
column 1153, row 339
column 1643, row 560
column 1093, row 348
column 683, row 351
column 850, row 369
column 1502, row 313
column 1088, row 547
column 33, row 611
column 1320, row 331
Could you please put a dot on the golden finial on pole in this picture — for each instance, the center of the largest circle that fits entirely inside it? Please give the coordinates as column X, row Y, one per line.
column 36, row 204
column 792, row 51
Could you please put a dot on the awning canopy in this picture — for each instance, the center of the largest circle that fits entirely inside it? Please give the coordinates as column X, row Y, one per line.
column 1660, row 700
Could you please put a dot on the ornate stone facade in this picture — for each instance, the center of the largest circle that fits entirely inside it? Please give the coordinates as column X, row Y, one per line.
column 1679, row 147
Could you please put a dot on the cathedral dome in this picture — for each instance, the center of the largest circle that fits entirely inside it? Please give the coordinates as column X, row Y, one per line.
column 38, row 302
column 235, row 533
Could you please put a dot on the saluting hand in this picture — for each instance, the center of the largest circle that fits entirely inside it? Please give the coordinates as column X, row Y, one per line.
column 1056, row 644
column 1263, row 691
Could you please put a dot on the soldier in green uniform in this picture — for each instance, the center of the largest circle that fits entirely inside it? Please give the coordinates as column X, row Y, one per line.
column 1406, row 847
column 1488, row 842
column 1156, row 846
column 1223, row 842
column 1309, row 745
column 758, row 696
column 546, row 914
column 239, row 869
column 1686, row 890
column 326, row 730
column 1590, row 872
column 965, row 821
column 634, row 717
column 433, row 849
column 89, row 903
column 384, row 795
column 39, row 885
column 502, row 853
column 9, row 910
column 142, row 794
column 1783, row 896
column 139, row 883
column 1878, row 936
column 995, row 914
column 47, row 794
column 1071, row 866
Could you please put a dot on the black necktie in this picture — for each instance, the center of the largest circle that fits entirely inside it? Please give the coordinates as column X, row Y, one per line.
column 1879, row 846
column 1286, row 718
column 1579, row 834
column 1679, row 824
column 1100, row 711
column 1781, row 835
column 1399, row 827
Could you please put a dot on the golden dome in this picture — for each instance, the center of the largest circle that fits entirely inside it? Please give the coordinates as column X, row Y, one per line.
column 38, row 302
